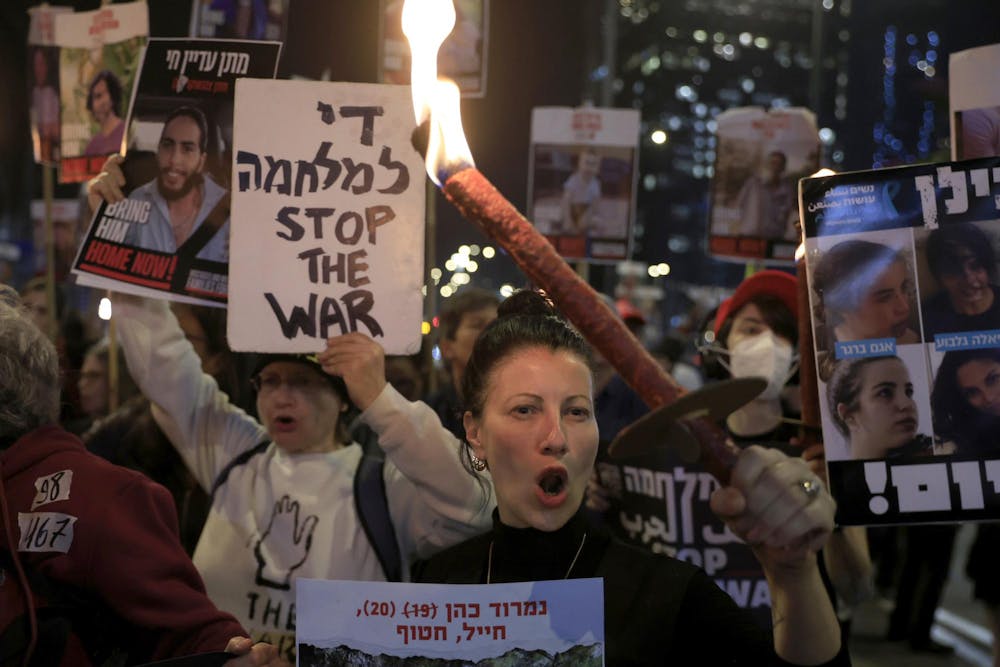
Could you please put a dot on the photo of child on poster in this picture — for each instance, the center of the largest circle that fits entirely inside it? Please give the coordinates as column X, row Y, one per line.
column 582, row 188
column 760, row 156
column 98, row 64
column 171, row 232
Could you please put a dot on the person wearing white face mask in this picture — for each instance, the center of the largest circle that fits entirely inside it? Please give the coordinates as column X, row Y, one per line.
column 755, row 334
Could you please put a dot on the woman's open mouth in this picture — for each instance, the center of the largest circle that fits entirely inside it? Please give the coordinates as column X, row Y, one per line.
column 552, row 486
column 284, row 423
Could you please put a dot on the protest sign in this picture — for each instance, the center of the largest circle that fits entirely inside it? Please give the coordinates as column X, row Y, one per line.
column 98, row 63
column 974, row 97
column 583, row 170
column 43, row 83
column 759, row 157
column 461, row 58
column 169, row 238
column 240, row 19
column 659, row 503
column 906, row 320
column 329, row 217
column 375, row 623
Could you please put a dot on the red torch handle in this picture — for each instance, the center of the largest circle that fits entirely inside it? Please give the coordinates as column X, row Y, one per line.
column 476, row 198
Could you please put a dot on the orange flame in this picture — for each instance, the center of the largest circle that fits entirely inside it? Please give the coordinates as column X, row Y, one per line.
column 426, row 24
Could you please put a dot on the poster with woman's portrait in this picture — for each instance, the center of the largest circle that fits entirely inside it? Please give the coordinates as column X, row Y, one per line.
column 863, row 291
column 878, row 407
column 965, row 400
column 905, row 311
column 958, row 277
column 760, row 156
column 98, row 62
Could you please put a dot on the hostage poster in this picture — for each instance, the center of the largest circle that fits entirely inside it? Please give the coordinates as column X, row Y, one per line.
column 328, row 214
column 974, row 100
column 582, row 180
column 98, row 63
column 43, row 83
column 377, row 623
column 240, row 19
column 905, row 306
column 170, row 237
column 759, row 157
column 461, row 57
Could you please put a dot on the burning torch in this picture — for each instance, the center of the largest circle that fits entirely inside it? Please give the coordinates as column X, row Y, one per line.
column 688, row 421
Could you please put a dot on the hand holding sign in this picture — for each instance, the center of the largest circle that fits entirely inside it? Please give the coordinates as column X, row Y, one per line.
column 253, row 655
column 360, row 361
column 107, row 185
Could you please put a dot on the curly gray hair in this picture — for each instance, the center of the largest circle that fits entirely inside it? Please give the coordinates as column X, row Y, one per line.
column 29, row 371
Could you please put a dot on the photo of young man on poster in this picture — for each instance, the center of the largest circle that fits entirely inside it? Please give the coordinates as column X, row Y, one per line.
column 162, row 211
column 768, row 202
column 183, row 194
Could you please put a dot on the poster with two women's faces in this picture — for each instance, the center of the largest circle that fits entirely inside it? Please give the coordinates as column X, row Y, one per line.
column 905, row 305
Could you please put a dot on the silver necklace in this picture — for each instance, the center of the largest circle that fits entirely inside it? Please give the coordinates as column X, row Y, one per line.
column 579, row 549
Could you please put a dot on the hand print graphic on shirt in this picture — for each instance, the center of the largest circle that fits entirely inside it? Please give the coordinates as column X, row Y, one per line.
column 284, row 530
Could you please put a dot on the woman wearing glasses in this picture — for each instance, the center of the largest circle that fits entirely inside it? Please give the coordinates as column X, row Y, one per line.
column 283, row 502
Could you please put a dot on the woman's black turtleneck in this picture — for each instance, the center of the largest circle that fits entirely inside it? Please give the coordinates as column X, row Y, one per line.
column 528, row 554
column 657, row 610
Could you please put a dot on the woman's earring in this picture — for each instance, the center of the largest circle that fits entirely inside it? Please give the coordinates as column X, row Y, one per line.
column 478, row 464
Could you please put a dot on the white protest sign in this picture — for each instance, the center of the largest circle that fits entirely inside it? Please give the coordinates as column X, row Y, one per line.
column 354, row 622
column 327, row 216
column 760, row 157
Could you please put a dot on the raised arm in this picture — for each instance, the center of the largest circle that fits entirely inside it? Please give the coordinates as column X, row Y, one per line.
column 783, row 511
column 434, row 501
column 205, row 428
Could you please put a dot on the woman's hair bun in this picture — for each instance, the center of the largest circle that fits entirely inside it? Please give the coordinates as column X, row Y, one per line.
column 526, row 302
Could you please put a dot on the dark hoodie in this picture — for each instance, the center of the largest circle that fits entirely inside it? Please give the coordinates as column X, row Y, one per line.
column 110, row 534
